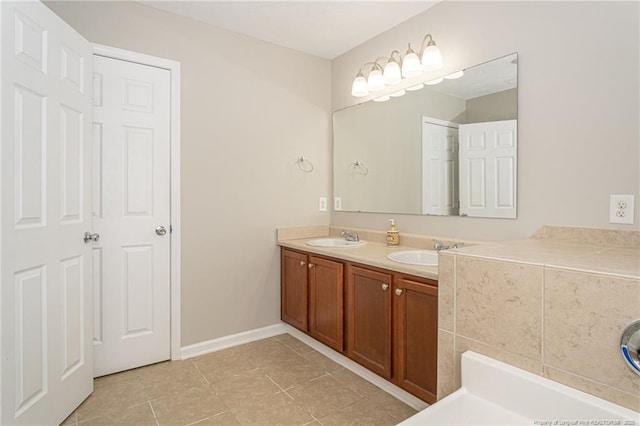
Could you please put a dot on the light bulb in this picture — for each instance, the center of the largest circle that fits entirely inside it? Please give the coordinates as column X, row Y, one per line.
column 431, row 57
column 375, row 81
column 391, row 74
column 359, row 87
column 411, row 66
column 382, row 98
column 398, row 93
column 416, row 87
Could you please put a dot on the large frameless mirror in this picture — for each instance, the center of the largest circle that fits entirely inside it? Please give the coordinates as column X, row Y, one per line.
column 446, row 148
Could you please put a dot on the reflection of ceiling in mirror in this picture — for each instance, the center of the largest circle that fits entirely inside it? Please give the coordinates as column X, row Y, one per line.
column 484, row 79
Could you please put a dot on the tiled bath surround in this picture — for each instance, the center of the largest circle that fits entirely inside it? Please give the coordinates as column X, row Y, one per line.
column 554, row 305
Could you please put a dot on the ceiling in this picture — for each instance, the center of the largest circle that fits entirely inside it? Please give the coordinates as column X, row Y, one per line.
column 322, row 28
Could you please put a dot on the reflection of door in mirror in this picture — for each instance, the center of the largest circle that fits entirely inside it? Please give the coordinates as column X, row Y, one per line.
column 439, row 167
column 488, row 169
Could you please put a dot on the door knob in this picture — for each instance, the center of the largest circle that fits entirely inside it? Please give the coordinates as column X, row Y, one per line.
column 311, row 265
column 88, row 236
column 302, row 263
column 398, row 292
column 385, row 287
column 160, row 230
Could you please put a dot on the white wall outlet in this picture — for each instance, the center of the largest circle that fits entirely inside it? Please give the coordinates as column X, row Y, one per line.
column 337, row 203
column 322, row 204
column 621, row 209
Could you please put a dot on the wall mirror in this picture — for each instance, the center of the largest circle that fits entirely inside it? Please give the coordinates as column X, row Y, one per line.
column 448, row 147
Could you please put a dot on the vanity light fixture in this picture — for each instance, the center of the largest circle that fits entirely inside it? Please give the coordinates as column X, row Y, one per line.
column 431, row 56
column 362, row 86
column 396, row 68
column 411, row 66
column 392, row 74
column 359, row 87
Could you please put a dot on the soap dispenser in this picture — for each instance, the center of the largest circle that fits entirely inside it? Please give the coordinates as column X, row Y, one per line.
column 393, row 235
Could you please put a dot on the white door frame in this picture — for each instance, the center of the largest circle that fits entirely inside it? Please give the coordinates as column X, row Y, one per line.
column 174, row 68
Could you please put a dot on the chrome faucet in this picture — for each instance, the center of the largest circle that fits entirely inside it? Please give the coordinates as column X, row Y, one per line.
column 439, row 245
column 350, row 236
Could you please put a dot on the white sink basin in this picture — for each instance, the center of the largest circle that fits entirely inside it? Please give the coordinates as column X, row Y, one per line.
column 335, row 242
column 415, row 257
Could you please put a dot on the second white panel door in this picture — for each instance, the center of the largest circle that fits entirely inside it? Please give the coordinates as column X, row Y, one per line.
column 131, row 209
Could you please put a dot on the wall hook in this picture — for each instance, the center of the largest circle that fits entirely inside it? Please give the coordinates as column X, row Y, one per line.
column 305, row 165
column 360, row 168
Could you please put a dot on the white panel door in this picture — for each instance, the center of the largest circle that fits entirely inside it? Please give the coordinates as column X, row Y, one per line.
column 488, row 162
column 439, row 167
column 131, row 199
column 46, row 292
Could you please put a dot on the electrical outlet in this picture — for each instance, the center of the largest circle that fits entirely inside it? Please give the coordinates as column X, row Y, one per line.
column 337, row 204
column 621, row 209
column 322, row 204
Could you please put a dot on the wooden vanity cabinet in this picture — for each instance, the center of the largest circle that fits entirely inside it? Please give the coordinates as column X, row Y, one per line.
column 415, row 319
column 293, row 288
column 389, row 319
column 326, row 302
column 312, row 296
column 369, row 319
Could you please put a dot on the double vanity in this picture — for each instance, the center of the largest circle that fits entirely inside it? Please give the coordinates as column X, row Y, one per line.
column 379, row 312
column 553, row 305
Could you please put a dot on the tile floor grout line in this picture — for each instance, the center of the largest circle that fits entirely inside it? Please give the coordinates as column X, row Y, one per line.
column 201, row 373
column 154, row 413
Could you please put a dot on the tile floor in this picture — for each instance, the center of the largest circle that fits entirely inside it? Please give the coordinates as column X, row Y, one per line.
column 275, row 381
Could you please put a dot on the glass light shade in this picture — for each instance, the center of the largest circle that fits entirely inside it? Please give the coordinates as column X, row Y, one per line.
column 398, row 93
column 359, row 87
column 411, row 66
column 431, row 58
column 454, row 75
column 382, row 98
column 375, row 81
column 391, row 74
column 434, row 81
column 416, row 87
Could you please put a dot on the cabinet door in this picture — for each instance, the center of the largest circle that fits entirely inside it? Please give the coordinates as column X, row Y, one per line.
column 369, row 319
column 326, row 299
column 416, row 337
column 293, row 288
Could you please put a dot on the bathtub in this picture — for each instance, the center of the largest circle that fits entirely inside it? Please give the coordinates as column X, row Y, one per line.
column 495, row 393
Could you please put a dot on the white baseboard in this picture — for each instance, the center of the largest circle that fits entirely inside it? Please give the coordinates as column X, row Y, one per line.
column 225, row 342
column 276, row 329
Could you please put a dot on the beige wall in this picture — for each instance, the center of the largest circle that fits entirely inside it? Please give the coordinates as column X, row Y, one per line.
column 249, row 109
column 578, row 108
column 494, row 107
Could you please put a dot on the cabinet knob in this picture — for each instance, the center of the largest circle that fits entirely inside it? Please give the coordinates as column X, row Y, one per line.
column 398, row 292
column 311, row 265
column 302, row 262
column 385, row 287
